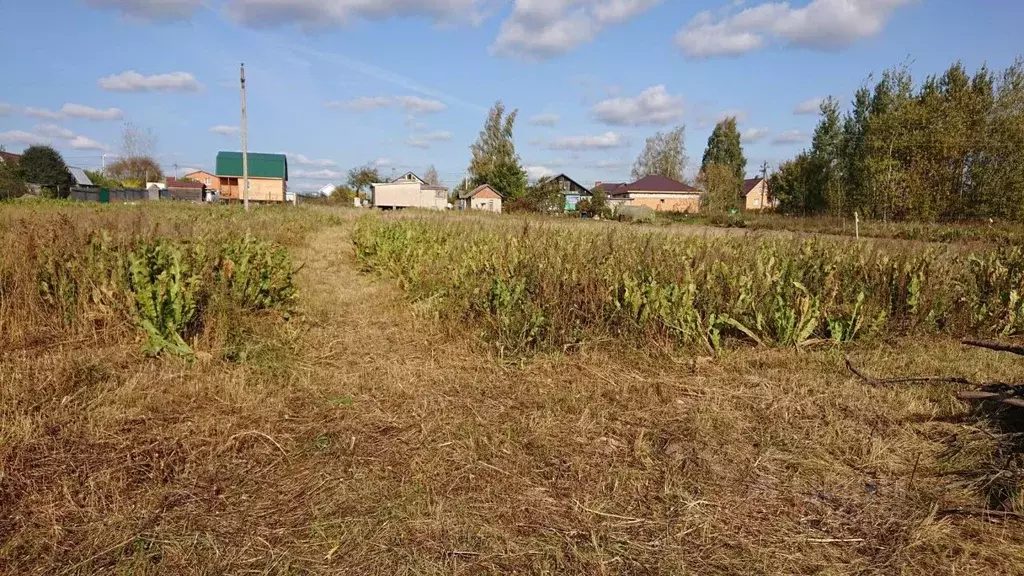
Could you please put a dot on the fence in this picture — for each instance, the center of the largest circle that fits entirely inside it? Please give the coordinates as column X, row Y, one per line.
column 103, row 195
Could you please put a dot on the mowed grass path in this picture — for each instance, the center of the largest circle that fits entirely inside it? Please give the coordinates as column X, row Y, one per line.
column 362, row 439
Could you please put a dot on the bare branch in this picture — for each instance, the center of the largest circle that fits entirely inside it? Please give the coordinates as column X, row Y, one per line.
column 917, row 380
column 1018, row 350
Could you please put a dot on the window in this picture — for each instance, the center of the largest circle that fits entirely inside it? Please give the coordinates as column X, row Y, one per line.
column 565, row 185
column 757, row 202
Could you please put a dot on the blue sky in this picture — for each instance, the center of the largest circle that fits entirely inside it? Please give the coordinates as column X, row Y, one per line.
column 407, row 83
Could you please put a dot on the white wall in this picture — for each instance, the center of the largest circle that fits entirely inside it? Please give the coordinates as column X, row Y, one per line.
column 408, row 195
column 489, row 204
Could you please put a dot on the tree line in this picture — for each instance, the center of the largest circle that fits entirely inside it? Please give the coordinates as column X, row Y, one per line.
column 948, row 149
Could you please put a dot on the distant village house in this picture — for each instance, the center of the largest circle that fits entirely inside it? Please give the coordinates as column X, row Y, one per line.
column 658, row 193
column 480, row 198
column 268, row 176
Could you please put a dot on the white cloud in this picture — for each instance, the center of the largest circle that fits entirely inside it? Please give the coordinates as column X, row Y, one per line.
column 546, row 28
column 132, row 81
column 737, row 113
column 427, row 140
column 790, row 137
column 88, row 112
column 820, row 25
column 412, row 105
column 751, row 135
column 23, row 138
column 320, row 13
column 381, row 162
column 604, row 141
column 83, row 143
column 42, row 113
column 150, row 9
column 608, row 164
column 225, row 130
column 363, row 103
column 417, row 105
column 545, row 119
column 306, row 161
column 538, row 172
column 324, row 174
column 809, row 107
column 652, row 107
column 53, row 131
column 6, row 109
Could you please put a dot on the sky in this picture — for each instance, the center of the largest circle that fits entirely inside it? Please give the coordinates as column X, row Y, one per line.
column 405, row 84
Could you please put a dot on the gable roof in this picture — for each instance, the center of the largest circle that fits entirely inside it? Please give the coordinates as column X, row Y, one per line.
column 566, row 176
column 7, row 157
column 467, row 194
column 749, row 184
column 406, row 177
column 655, row 183
column 81, row 179
column 260, row 165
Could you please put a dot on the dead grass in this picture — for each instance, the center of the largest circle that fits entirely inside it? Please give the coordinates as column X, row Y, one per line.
column 359, row 438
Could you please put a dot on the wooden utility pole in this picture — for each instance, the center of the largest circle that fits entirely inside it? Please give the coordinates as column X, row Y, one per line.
column 765, row 193
column 245, row 149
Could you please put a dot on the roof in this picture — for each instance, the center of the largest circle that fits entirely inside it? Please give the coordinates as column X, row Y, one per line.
column 81, row 179
column 466, row 194
column 655, row 183
column 406, row 177
column 260, row 165
column 608, row 187
column 566, row 176
column 8, row 157
column 749, row 183
column 175, row 183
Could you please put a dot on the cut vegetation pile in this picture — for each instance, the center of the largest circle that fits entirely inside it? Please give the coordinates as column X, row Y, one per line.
column 533, row 286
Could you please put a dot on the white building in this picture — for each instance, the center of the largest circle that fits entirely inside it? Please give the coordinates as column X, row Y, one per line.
column 408, row 193
column 326, row 190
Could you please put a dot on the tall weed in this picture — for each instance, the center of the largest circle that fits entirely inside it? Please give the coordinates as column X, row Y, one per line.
column 534, row 286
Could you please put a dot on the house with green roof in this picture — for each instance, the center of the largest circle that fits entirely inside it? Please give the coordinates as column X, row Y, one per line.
column 268, row 176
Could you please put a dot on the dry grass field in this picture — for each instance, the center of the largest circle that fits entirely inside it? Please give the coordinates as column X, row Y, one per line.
column 357, row 432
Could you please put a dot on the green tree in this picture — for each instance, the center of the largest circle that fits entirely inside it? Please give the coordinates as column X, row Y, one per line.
column 826, row 190
column 721, row 185
column 545, row 195
column 599, row 203
column 102, row 180
column 495, row 161
column 12, row 181
column 725, row 149
column 137, row 164
column 663, row 155
column 45, row 166
column 790, row 183
column 361, row 177
column 134, row 172
column 343, row 195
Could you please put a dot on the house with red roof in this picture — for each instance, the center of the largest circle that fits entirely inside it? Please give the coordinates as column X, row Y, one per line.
column 655, row 192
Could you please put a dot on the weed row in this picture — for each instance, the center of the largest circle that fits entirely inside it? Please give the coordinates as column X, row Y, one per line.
column 64, row 280
column 532, row 286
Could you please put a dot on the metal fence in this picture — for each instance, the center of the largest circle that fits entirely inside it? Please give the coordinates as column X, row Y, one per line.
column 104, row 195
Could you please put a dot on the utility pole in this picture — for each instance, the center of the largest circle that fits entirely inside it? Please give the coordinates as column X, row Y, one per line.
column 245, row 149
column 764, row 185
column 175, row 170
